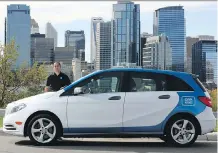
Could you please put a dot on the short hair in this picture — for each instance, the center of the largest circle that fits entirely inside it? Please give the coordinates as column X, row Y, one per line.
column 58, row 63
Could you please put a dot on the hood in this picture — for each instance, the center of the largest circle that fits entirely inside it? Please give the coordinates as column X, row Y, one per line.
column 34, row 98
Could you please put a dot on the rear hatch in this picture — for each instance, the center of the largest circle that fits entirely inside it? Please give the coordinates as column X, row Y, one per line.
column 200, row 84
column 207, row 99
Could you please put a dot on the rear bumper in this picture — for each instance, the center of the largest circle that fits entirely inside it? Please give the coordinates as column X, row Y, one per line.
column 207, row 121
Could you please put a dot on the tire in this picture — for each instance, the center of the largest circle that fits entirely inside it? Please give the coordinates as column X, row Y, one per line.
column 163, row 138
column 43, row 129
column 181, row 131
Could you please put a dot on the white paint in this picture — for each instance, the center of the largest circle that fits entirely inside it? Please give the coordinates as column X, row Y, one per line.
column 207, row 120
column 145, row 109
column 95, row 110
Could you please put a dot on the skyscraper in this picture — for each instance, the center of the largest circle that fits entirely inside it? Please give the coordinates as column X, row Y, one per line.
column 5, row 38
column 171, row 22
column 50, row 32
column 18, row 29
column 64, row 55
column 125, row 34
column 34, row 26
column 144, row 37
column 42, row 49
column 157, row 53
column 189, row 42
column 103, row 46
column 76, row 39
column 204, row 60
column 94, row 22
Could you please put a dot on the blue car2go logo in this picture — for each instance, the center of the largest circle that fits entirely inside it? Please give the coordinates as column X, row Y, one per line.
column 188, row 101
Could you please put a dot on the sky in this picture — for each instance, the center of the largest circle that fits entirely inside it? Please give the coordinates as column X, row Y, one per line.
column 201, row 16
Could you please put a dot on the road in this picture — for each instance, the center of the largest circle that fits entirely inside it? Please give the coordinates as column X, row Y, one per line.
column 10, row 144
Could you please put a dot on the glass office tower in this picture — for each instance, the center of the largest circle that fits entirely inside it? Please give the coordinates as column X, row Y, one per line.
column 125, row 33
column 18, row 29
column 204, row 60
column 171, row 22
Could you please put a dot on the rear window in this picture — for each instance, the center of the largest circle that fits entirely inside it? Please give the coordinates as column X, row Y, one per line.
column 177, row 84
column 146, row 81
column 199, row 83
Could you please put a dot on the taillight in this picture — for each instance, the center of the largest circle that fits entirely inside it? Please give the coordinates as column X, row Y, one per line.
column 206, row 101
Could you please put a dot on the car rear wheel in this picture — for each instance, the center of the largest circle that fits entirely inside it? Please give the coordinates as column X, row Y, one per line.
column 181, row 132
column 43, row 129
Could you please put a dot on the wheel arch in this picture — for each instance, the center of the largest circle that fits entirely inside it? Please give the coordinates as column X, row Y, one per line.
column 183, row 114
column 38, row 113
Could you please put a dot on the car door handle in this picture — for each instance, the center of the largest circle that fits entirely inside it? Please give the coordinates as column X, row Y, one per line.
column 164, row 97
column 115, row 98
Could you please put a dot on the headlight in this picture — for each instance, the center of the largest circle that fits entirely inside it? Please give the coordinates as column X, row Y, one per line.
column 18, row 108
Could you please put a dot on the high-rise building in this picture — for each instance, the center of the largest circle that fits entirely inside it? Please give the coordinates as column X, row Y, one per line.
column 94, row 22
column 171, row 22
column 50, row 32
column 157, row 53
column 42, row 49
column 144, row 37
column 34, row 26
column 125, row 33
column 76, row 39
column 64, row 54
column 103, row 46
column 204, row 60
column 76, row 67
column 5, row 38
column 189, row 42
column 18, row 29
column 205, row 37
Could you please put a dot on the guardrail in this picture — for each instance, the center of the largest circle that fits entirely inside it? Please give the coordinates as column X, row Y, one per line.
column 2, row 112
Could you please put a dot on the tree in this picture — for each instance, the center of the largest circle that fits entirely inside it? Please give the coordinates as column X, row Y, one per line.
column 21, row 82
column 213, row 95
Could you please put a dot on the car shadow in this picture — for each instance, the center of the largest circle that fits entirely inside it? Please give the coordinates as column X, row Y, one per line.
column 138, row 147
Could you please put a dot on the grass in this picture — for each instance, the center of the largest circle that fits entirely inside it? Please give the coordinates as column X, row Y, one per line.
column 216, row 129
column 1, row 120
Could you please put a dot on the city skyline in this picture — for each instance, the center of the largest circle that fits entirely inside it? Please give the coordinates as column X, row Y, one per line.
column 82, row 21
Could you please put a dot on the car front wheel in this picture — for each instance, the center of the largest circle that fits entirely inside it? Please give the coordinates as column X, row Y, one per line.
column 181, row 132
column 43, row 129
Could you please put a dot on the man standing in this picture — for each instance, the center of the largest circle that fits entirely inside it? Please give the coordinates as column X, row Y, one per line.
column 57, row 80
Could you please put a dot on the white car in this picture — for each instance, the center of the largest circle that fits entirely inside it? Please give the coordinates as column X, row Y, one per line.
column 117, row 103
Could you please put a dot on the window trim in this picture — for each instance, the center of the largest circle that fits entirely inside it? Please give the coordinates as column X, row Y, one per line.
column 120, row 88
column 157, row 81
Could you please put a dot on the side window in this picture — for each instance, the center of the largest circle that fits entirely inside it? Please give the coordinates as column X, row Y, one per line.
column 147, row 81
column 144, row 81
column 106, row 82
column 176, row 84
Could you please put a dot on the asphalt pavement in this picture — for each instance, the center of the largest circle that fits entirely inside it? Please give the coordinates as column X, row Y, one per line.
column 11, row 144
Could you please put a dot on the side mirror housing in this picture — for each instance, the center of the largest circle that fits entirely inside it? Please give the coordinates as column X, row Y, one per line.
column 78, row 90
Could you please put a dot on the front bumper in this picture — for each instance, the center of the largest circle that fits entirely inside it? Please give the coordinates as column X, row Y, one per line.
column 10, row 126
column 207, row 121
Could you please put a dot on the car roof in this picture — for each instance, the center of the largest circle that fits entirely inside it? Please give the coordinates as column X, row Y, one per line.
column 182, row 75
column 145, row 70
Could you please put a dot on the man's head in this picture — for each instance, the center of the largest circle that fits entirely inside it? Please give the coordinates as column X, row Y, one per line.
column 57, row 67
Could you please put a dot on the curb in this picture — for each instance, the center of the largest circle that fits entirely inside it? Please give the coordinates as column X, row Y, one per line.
column 207, row 137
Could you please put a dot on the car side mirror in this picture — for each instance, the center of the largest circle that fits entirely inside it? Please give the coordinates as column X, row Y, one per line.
column 78, row 90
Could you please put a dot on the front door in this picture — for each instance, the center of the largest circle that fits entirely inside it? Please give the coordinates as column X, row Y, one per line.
column 100, row 110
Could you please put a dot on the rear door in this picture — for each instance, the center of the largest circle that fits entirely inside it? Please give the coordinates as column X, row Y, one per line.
column 147, row 102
